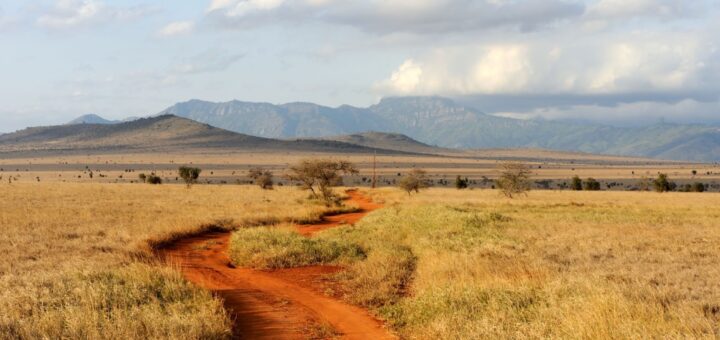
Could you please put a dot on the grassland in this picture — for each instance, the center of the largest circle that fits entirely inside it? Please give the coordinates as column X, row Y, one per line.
column 470, row 264
column 76, row 258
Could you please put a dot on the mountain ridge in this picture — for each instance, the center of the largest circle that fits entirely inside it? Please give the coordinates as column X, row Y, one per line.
column 443, row 122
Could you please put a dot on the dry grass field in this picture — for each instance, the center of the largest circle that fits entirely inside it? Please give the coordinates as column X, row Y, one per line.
column 449, row 264
column 76, row 260
column 75, row 263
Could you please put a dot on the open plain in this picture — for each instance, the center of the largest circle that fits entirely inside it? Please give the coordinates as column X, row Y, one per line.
column 78, row 261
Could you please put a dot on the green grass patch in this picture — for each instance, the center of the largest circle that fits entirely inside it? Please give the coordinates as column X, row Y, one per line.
column 282, row 247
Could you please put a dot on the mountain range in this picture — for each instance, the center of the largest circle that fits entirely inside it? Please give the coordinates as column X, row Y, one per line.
column 445, row 123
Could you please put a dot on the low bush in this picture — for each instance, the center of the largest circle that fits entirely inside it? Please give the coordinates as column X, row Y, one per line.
column 591, row 184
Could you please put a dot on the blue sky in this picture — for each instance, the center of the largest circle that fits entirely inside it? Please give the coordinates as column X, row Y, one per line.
column 613, row 61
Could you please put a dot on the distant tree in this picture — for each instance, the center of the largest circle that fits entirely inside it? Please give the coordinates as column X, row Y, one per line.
column 576, row 183
column 591, row 185
column 698, row 187
column 142, row 177
column 461, row 183
column 320, row 175
column 694, row 172
column 663, row 184
column 262, row 178
column 414, row 181
column 189, row 175
column 153, row 179
column 514, row 179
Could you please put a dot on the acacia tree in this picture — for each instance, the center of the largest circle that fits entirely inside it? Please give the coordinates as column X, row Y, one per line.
column 461, row 183
column 320, row 175
column 262, row 178
column 514, row 179
column 576, row 183
column 414, row 181
column 663, row 184
column 189, row 175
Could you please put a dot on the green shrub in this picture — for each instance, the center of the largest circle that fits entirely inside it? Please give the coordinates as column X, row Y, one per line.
column 591, row 184
column 663, row 184
column 152, row 179
column 461, row 183
column 698, row 187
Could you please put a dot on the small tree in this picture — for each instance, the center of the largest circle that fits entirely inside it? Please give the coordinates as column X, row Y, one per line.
column 189, row 175
column 320, row 175
column 414, row 181
column 461, row 183
column 142, row 177
column 663, row 184
column 591, row 185
column 262, row 178
column 576, row 183
column 697, row 187
column 514, row 179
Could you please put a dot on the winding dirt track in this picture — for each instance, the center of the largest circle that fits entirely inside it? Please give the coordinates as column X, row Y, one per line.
column 273, row 304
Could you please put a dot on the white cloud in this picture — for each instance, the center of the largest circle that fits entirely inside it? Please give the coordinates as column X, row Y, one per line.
column 176, row 28
column 636, row 113
column 73, row 13
column 657, row 62
column 406, row 79
column 414, row 16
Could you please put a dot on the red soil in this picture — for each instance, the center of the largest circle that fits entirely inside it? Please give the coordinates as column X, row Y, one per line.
column 364, row 204
column 281, row 304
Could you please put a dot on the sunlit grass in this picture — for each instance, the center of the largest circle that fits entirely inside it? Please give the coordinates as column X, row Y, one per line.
column 472, row 264
column 77, row 258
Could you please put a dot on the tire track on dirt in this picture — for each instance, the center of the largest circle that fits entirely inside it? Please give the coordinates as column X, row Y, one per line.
column 265, row 305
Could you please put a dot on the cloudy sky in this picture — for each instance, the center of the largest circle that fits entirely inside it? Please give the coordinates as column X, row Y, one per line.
column 613, row 61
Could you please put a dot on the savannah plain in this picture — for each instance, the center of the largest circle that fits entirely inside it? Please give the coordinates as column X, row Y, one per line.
column 79, row 254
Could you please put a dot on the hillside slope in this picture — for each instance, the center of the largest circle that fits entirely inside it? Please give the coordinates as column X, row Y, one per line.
column 166, row 132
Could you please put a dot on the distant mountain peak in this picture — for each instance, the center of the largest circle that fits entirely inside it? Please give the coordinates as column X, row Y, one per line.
column 91, row 119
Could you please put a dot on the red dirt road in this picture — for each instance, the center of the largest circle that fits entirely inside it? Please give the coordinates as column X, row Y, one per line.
column 275, row 305
column 364, row 203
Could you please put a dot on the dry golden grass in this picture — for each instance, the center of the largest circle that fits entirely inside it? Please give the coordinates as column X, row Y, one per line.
column 72, row 263
column 441, row 264
column 448, row 264
column 559, row 264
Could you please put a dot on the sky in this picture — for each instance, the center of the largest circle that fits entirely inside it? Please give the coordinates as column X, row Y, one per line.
column 620, row 62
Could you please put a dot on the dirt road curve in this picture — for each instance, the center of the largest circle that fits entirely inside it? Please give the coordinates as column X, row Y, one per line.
column 266, row 305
